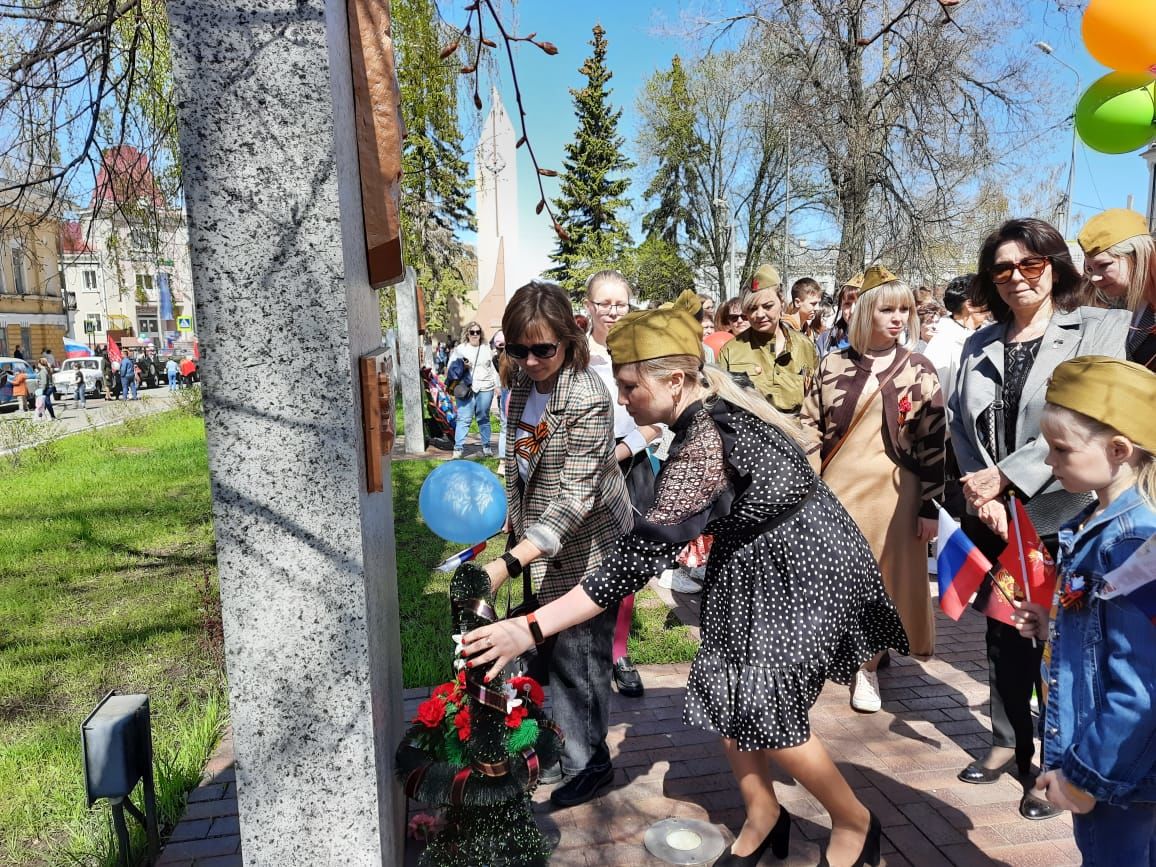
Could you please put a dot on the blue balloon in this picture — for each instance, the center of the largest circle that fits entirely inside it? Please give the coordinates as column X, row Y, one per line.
column 463, row 502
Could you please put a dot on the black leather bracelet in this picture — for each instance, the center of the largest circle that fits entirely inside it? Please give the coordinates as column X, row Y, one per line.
column 513, row 564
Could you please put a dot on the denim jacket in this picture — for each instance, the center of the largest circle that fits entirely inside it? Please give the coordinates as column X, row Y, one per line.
column 1099, row 727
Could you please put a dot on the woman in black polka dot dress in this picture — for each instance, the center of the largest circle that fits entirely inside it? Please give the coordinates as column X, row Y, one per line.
column 792, row 595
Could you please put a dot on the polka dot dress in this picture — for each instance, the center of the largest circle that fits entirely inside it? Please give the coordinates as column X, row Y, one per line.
column 784, row 609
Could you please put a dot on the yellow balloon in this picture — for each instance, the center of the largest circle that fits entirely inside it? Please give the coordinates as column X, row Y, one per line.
column 1121, row 34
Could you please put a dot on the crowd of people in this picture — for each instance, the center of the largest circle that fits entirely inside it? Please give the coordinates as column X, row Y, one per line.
column 37, row 393
column 811, row 445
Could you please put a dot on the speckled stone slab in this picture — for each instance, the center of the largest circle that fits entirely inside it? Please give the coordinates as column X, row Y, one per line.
column 284, row 309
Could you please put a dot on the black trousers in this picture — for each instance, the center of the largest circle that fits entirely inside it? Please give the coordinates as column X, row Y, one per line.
column 1013, row 671
column 1013, row 666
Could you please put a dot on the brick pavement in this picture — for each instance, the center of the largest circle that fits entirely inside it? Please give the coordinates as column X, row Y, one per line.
column 901, row 761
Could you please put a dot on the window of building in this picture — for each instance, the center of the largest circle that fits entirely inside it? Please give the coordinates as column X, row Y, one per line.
column 141, row 239
column 19, row 278
column 144, row 283
column 92, row 323
column 146, row 325
column 26, row 341
column 3, row 274
column 88, row 280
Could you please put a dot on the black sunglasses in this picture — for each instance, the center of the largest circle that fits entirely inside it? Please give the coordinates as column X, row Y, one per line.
column 521, row 351
column 474, row 333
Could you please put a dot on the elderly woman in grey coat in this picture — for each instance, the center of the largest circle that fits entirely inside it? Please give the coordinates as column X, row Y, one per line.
column 1028, row 281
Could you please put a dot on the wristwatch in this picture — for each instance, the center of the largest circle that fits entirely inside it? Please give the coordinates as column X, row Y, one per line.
column 513, row 564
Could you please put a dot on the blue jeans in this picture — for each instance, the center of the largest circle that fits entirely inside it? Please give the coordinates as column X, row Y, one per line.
column 1111, row 836
column 127, row 383
column 172, row 380
column 478, row 405
column 80, row 396
column 580, row 691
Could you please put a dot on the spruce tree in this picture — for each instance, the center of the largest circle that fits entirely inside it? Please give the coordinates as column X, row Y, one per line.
column 592, row 181
column 435, row 184
column 675, row 145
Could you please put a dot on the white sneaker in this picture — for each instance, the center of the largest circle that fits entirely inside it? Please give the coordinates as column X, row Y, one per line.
column 865, row 692
column 678, row 581
column 457, row 454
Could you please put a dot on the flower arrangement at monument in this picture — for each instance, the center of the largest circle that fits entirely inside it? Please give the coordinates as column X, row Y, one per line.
column 477, row 749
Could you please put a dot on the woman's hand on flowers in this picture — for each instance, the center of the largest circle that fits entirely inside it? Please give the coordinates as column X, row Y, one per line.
column 926, row 529
column 983, row 486
column 1030, row 619
column 994, row 514
column 1063, row 794
column 497, row 644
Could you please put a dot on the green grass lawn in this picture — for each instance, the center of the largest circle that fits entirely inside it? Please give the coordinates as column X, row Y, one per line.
column 107, row 581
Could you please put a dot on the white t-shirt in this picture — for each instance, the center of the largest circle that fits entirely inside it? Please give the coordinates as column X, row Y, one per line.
column 531, row 431
column 944, row 351
column 481, row 361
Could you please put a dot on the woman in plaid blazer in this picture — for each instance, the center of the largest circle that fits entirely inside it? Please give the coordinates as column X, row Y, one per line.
column 567, row 506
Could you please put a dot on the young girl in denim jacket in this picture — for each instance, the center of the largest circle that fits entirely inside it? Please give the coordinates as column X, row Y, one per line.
column 1099, row 726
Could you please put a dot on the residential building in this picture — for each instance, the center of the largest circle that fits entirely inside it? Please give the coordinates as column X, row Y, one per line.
column 32, row 316
column 126, row 263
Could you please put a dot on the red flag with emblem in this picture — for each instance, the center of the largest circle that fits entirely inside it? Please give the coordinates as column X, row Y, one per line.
column 1026, row 558
column 113, row 352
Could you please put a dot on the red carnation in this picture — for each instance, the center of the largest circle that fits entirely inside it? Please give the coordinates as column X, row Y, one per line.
column 431, row 712
column 445, row 691
column 531, row 686
column 514, row 718
column 462, row 724
column 904, row 408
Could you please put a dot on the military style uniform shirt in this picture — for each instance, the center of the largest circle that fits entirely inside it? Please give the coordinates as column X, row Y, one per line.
column 782, row 378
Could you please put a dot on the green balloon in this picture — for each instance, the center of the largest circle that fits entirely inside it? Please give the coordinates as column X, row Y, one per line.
column 1117, row 113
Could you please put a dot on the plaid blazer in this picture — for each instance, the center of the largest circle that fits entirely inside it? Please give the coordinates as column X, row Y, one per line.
column 573, row 504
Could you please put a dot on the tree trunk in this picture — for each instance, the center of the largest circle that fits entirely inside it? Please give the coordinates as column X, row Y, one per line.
column 853, row 187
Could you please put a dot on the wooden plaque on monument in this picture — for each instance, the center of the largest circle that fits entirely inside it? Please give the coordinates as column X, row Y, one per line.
column 380, row 129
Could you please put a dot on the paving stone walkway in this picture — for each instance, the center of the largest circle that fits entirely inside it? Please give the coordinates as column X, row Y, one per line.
column 901, row 761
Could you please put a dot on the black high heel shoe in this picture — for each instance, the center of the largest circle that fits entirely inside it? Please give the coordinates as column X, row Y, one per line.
column 869, row 854
column 778, row 841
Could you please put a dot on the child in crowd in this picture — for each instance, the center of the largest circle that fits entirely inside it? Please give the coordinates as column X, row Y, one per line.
column 1099, row 727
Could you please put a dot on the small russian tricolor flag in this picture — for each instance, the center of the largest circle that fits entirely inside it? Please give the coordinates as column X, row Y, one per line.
column 961, row 566
column 75, row 349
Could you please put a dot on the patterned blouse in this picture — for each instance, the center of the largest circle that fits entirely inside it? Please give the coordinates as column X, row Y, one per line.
column 914, row 421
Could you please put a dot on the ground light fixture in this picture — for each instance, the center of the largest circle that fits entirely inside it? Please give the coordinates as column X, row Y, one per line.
column 684, row 841
column 116, row 745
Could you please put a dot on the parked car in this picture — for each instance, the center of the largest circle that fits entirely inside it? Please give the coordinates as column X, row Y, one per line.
column 8, row 368
column 152, row 371
column 93, row 376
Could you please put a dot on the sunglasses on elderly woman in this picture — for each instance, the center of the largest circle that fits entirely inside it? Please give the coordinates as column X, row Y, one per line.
column 1029, row 268
column 521, row 351
column 736, row 317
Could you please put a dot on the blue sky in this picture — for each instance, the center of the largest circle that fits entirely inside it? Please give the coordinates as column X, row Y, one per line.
column 642, row 39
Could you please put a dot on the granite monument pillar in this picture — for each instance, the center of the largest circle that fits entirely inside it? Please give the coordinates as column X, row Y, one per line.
column 284, row 310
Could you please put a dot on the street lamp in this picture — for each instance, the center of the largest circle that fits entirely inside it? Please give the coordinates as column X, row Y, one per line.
column 1050, row 52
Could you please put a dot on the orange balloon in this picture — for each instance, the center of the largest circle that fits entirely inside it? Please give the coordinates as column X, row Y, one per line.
column 1121, row 34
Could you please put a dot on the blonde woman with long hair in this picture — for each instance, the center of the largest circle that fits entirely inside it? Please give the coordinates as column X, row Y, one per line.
column 1120, row 260
column 877, row 420
column 783, row 609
